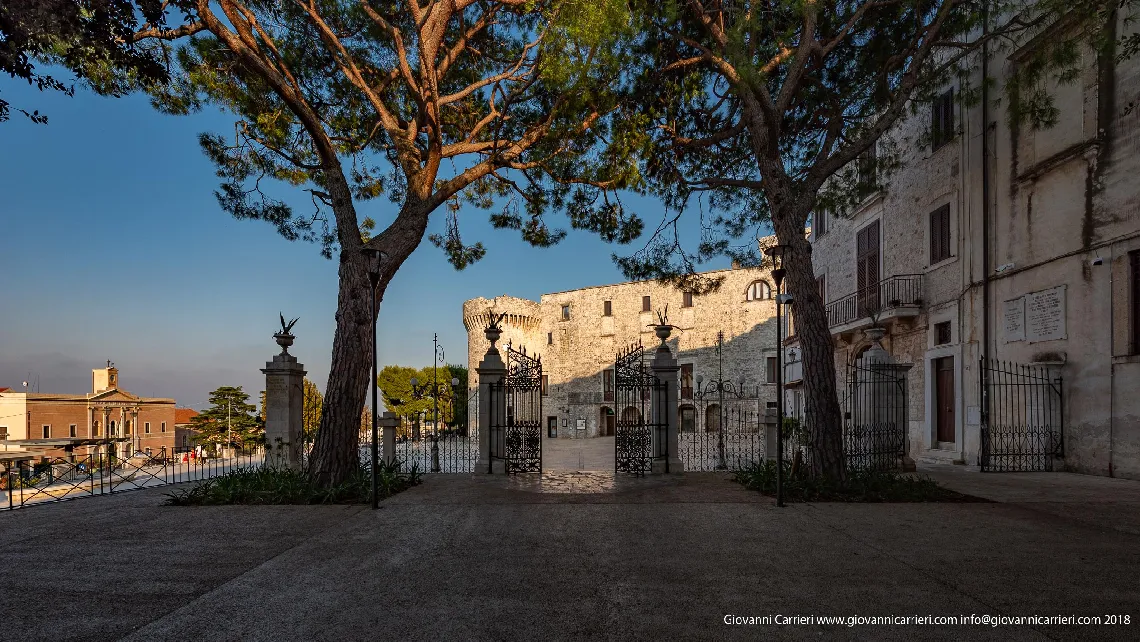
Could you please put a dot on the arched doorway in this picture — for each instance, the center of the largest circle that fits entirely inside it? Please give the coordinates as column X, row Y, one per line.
column 606, row 422
column 712, row 418
column 631, row 414
column 688, row 418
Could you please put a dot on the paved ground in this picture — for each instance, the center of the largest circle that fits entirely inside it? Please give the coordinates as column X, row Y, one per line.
column 596, row 454
column 569, row 556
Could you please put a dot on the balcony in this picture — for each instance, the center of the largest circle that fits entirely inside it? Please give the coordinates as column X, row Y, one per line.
column 891, row 300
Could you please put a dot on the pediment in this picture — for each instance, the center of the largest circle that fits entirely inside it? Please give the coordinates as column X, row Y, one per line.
column 113, row 395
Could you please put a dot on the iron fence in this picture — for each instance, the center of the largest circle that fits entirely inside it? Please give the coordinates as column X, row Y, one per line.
column 875, row 417
column 450, row 453
column 55, row 479
column 734, row 442
column 1023, row 427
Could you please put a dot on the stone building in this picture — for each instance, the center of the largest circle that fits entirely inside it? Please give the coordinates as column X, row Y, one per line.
column 45, row 421
column 998, row 242
column 578, row 334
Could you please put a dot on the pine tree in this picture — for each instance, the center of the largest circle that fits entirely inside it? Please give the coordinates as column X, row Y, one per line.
column 230, row 421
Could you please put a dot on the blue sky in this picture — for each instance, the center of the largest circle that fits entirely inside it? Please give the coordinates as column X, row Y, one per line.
column 112, row 246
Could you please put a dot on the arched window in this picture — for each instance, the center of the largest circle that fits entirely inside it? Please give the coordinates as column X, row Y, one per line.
column 758, row 290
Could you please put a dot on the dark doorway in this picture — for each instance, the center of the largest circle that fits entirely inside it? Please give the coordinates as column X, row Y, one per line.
column 608, row 424
column 552, row 426
column 944, row 399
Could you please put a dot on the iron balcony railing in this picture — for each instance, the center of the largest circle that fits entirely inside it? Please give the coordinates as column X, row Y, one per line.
column 888, row 294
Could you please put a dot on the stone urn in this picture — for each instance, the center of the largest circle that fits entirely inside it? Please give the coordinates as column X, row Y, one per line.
column 284, row 339
column 663, row 330
column 493, row 333
column 875, row 335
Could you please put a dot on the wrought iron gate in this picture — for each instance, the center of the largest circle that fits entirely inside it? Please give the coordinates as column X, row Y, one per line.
column 875, row 417
column 521, row 425
column 1022, row 419
column 640, row 402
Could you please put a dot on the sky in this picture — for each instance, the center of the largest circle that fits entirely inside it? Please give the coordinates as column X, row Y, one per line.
column 113, row 247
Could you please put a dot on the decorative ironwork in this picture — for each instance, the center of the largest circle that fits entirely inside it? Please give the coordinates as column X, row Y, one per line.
column 888, row 294
column 874, row 430
column 725, row 430
column 640, row 401
column 1023, row 429
column 522, row 424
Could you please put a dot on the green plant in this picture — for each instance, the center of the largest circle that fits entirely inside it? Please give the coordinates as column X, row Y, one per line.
column 859, row 486
column 271, row 485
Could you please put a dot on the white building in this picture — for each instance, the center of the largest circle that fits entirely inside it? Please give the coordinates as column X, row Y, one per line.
column 1031, row 257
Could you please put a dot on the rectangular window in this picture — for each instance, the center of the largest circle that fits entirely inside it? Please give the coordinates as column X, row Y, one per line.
column 821, row 283
column 608, row 385
column 47, row 432
column 686, row 381
column 607, row 308
column 146, row 427
column 1134, row 308
column 772, row 370
column 687, row 300
column 71, row 431
column 645, row 306
column 549, row 338
column 942, row 333
column 942, row 120
column 866, row 165
column 545, row 384
column 3, row 432
column 162, row 427
column 940, row 234
column 819, row 222
column 95, row 430
column 566, row 313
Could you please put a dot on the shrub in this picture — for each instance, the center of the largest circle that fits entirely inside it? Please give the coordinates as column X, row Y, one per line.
column 860, row 486
column 271, row 485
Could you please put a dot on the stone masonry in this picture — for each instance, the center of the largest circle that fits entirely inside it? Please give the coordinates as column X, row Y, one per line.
column 575, row 351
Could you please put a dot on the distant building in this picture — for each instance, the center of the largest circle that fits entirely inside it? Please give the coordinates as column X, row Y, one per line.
column 55, row 423
column 183, row 430
column 578, row 334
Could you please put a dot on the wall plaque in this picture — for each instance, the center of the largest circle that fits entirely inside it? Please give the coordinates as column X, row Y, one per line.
column 581, row 424
column 1013, row 313
column 1045, row 315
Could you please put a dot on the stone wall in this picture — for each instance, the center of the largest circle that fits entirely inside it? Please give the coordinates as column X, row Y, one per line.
column 576, row 350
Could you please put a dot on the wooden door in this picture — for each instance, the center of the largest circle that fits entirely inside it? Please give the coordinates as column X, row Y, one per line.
column 867, row 268
column 944, row 398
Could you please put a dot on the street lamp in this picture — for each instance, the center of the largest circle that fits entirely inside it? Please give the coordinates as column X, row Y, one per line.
column 372, row 260
column 719, row 386
column 437, row 357
column 777, row 253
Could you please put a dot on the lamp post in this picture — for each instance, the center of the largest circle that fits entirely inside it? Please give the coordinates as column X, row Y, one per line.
column 778, row 272
column 372, row 258
column 437, row 357
column 719, row 386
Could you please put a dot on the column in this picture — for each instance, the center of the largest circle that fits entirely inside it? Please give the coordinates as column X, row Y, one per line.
column 123, row 430
column 666, row 422
column 388, row 423
column 284, row 398
column 492, row 407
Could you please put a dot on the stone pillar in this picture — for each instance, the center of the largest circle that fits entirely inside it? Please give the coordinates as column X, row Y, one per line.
column 666, row 459
column 770, row 420
column 492, row 407
column 284, row 399
column 388, row 423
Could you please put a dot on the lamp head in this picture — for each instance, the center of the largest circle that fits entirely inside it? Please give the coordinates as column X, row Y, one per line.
column 415, row 382
column 372, row 260
column 455, row 382
column 700, row 379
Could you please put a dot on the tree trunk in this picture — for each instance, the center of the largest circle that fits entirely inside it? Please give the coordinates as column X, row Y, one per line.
column 336, row 453
column 823, row 418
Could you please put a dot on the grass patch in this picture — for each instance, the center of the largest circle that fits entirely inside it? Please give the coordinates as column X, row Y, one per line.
column 860, row 486
column 267, row 485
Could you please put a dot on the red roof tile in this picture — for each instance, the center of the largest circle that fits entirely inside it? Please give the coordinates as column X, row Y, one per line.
column 184, row 415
